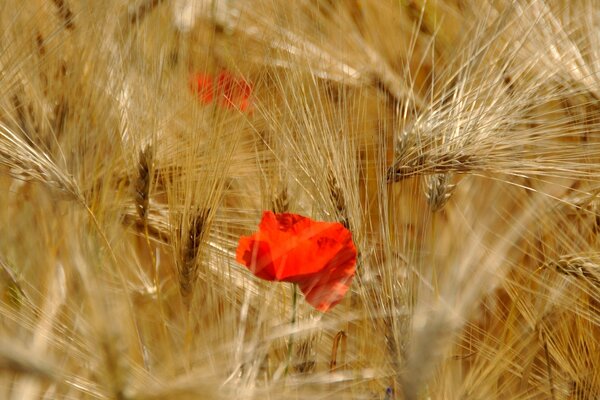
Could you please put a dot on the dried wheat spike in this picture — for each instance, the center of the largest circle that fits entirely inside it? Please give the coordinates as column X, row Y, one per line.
column 403, row 142
column 408, row 157
column 39, row 41
column 339, row 201
column 342, row 337
column 137, row 14
column 65, row 13
column 305, row 356
column 142, row 183
column 281, row 202
column 188, row 270
column 579, row 267
column 404, row 167
column 438, row 190
column 12, row 280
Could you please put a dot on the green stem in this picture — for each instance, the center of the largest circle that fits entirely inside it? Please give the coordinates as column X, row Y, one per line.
column 293, row 323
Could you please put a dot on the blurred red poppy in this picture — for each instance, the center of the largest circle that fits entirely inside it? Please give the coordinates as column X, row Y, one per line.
column 226, row 89
column 202, row 84
column 319, row 256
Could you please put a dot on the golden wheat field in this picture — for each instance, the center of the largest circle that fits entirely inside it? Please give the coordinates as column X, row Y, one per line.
column 457, row 140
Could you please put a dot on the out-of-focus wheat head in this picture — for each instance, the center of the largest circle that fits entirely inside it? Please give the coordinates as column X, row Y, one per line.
column 458, row 141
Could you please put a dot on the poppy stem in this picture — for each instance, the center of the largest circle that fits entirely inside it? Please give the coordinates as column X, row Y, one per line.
column 294, row 302
column 293, row 323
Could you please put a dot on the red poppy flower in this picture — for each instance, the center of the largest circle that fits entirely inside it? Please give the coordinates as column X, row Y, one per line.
column 319, row 256
column 202, row 84
column 235, row 92
column 226, row 89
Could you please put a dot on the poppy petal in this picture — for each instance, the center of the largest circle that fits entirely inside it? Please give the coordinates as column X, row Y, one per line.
column 202, row 85
column 301, row 246
column 255, row 254
column 327, row 288
column 324, row 294
column 226, row 89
